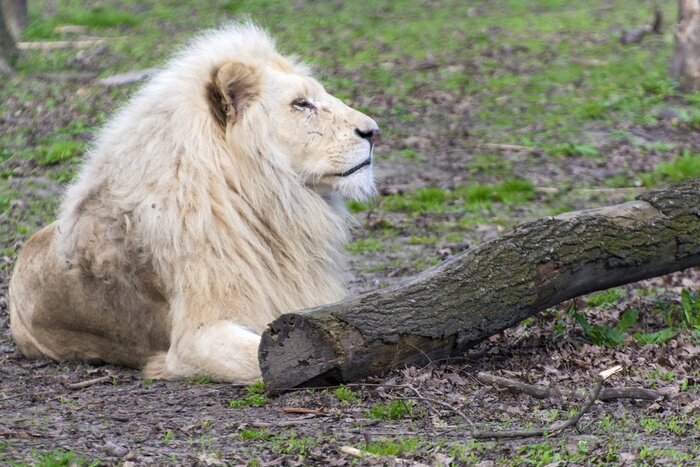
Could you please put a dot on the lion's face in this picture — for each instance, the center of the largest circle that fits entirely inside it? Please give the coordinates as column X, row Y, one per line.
column 328, row 143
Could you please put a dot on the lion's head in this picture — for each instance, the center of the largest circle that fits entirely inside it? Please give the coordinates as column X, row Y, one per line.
column 325, row 142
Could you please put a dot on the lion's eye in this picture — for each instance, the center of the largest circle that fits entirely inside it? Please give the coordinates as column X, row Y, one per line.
column 303, row 104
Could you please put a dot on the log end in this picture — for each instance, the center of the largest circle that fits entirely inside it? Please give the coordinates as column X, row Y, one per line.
column 295, row 351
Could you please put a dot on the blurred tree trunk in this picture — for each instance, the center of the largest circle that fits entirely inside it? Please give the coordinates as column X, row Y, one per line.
column 8, row 50
column 15, row 14
column 686, row 60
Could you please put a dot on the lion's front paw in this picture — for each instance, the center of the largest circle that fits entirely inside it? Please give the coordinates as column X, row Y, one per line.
column 224, row 351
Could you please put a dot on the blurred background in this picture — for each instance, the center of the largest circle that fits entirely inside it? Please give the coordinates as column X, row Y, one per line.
column 492, row 112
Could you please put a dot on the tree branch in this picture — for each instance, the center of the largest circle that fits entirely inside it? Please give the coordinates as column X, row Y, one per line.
column 469, row 297
column 557, row 428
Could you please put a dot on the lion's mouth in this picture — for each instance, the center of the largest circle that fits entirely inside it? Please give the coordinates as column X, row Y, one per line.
column 359, row 166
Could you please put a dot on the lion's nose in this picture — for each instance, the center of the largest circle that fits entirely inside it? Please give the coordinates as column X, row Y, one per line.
column 370, row 134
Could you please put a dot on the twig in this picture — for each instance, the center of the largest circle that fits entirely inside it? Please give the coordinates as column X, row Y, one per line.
column 438, row 402
column 529, row 389
column 556, row 428
column 281, row 424
column 541, row 392
column 89, row 382
column 128, row 78
column 303, row 410
column 614, row 191
column 50, row 45
column 609, row 394
column 508, row 147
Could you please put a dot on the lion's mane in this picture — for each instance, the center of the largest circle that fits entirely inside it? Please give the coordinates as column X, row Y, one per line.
column 164, row 181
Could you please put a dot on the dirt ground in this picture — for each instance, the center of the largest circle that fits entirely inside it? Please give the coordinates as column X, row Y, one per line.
column 126, row 419
column 440, row 138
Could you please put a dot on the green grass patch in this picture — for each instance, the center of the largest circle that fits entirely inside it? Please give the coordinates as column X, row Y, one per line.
column 200, row 379
column 358, row 206
column 461, row 198
column 55, row 458
column 422, row 240
column 255, row 397
column 681, row 168
column 41, row 27
column 395, row 410
column 60, row 152
column 346, row 396
column 684, row 315
column 409, row 154
column 583, row 150
column 291, row 444
column 606, row 335
column 489, row 164
column 605, row 298
column 392, row 447
column 364, row 245
column 254, row 434
column 168, row 436
column 690, row 310
column 664, row 456
column 655, row 338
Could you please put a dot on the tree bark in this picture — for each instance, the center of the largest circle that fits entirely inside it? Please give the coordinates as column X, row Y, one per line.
column 8, row 49
column 15, row 14
column 686, row 59
column 485, row 290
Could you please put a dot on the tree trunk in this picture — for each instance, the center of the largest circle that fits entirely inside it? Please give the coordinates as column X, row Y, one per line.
column 686, row 59
column 15, row 14
column 8, row 21
column 483, row 291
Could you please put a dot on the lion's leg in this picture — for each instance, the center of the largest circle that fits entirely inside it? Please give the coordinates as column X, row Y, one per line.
column 224, row 351
column 59, row 311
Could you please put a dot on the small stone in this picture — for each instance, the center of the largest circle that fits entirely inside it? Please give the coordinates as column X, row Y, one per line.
column 115, row 449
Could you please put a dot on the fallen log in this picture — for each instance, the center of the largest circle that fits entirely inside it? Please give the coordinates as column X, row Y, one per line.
column 485, row 290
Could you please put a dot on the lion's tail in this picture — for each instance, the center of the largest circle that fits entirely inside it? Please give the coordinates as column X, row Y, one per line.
column 155, row 367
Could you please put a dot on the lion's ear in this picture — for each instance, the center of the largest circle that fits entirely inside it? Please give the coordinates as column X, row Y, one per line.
column 233, row 87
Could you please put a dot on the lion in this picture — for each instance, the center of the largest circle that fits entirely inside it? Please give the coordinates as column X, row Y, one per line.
column 208, row 206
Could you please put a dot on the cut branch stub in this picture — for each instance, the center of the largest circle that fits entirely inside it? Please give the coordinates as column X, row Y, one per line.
column 485, row 290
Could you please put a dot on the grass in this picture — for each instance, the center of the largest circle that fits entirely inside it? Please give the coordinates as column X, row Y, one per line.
column 54, row 458
column 364, row 245
column 41, row 27
column 462, row 198
column 60, row 152
column 394, row 410
column 255, row 397
column 254, row 434
column 200, row 379
column 290, row 443
column 680, row 316
column 286, row 443
column 346, row 396
column 392, row 447
column 681, row 168
column 605, row 298
column 167, row 437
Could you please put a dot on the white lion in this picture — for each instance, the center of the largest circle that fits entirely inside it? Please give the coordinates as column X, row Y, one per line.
column 208, row 206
